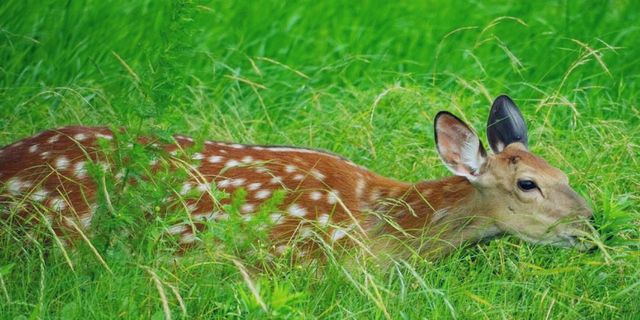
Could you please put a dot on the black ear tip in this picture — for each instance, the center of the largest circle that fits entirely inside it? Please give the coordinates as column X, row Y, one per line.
column 502, row 101
column 442, row 113
column 505, row 124
column 437, row 123
column 503, row 96
column 446, row 114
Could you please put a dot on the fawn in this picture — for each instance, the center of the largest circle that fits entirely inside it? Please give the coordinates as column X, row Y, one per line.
column 326, row 196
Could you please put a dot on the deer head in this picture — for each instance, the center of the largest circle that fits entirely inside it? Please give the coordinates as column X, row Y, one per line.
column 519, row 192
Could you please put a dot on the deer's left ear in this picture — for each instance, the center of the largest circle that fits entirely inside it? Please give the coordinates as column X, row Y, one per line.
column 505, row 125
column 458, row 146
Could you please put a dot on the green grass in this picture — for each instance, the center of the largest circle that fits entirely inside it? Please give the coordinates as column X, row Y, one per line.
column 364, row 80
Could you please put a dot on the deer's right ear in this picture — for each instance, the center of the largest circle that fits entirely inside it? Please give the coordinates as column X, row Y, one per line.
column 458, row 146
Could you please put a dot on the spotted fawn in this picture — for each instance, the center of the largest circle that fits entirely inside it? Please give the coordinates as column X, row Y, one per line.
column 326, row 197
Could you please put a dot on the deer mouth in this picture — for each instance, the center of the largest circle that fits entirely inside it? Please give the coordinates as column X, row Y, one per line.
column 579, row 242
column 577, row 239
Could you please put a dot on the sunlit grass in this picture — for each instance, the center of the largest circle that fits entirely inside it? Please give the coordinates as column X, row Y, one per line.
column 362, row 80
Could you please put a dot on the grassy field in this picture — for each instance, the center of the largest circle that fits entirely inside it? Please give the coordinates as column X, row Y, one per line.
column 363, row 80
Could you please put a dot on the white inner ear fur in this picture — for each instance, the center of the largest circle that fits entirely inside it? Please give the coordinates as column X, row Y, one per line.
column 470, row 153
column 500, row 146
column 460, row 150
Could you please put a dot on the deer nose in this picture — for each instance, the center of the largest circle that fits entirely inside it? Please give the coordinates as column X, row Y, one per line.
column 587, row 212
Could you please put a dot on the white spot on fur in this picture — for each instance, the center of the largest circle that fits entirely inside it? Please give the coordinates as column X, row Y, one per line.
column 211, row 216
column 214, row 159
column 181, row 137
column 57, row 204
column 224, row 183
column 254, row 186
column 39, row 195
column 104, row 136
column 298, row 177
column 297, row 150
column 53, row 138
column 204, row 187
column 317, row 174
column 315, row 195
column 85, row 221
column 236, row 146
column 290, row 168
column 93, row 208
column 261, row 169
column 15, row 185
column 120, row 174
column 45, row 154
column 297, row 211
column 247, row 208
column 219, row 216
column 33, row 148
column 305, row 232
column 276, row 218
column 186, row 187
column 247, row 159
column 104, row 166
column 263, row 194
column 176, row 229
column 232, row 163
column 332, row 196
column 281, row 249
column 62, row 163
column 48, row 220
column 276, row 180
column 203, row 216
column 238, row 182
column 80, row 137
column 188, row 238
column 79, row 169
column 191, row 208
column 338, row 234
column 360, row 185
column 197, row 156
column 323, row 219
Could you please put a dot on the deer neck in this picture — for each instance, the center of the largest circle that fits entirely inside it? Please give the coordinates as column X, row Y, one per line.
column 432, row 217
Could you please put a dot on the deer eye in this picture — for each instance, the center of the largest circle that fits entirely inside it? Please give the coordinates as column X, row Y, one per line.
column 527, row 185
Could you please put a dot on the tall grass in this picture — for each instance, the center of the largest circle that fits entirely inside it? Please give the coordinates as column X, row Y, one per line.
column 361, row 79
